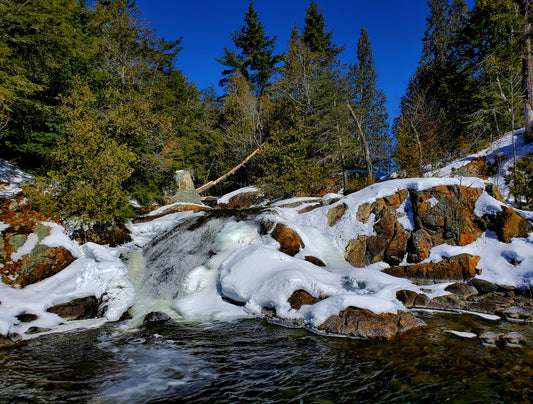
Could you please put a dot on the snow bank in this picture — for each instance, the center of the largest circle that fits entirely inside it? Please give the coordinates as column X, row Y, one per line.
column 13, row 178
column 97, row 271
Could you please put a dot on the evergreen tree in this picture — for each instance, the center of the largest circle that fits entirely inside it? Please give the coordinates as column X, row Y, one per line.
column 255, row 60
column 89, row 167
column 43, row 44
column 315, row 35
column 369, row 104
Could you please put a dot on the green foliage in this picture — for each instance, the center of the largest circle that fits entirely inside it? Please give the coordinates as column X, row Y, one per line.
column 42, row 47
column 89, row 166
column 315, row 35
column 369, row 103
column 521, row 182
column 255, row 61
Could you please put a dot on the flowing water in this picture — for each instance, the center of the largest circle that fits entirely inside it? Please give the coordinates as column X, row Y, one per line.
column 253, row 361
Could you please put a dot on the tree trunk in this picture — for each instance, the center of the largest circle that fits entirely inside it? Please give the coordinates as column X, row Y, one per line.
column 210, row 184
column 370, row 174
column 527, row 73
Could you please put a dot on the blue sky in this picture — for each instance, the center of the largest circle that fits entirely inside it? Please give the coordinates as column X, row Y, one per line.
column 395, row 28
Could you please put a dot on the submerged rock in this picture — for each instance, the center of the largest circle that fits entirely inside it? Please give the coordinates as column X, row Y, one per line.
column 155, row 317
column 362, row 323
column 10, row 340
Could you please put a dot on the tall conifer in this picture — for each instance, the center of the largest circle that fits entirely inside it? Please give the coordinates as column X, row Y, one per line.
column 256, row 60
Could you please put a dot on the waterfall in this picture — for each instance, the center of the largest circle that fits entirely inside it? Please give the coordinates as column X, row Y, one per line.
column 171, row 256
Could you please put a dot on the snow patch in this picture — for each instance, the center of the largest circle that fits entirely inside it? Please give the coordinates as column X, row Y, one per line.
column 226, row 198
column 26, row 248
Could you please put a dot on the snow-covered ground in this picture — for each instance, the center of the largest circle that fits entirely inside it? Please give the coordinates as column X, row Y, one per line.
column 502, row 151
column 246, row 267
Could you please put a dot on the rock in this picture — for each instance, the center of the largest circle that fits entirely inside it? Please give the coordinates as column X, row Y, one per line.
column 10, row 340
column 309, row 208
column 447, row 213
column 14, row 206
column 155, row 317
column 517, row 313
column 336, row 213
column 406, row 297
column 476, row 168
column 483, row 286
column 185, row 191
column 457, row 268
column 461, row 289
column 412, row 299
column 314, row 260
column 243, row 200
column 290, row 242
column 36, row 330
column 102, row 234
column 301, row 297
column 171, row 209
column 363, row 212
column 362, row 323
column 397, row 247
column 514, row 338
column 41, row 263
column 490, row 337
column 26, row 317
column 418, row 246
column 508, row 224
column 355, row 251
column 77, row 309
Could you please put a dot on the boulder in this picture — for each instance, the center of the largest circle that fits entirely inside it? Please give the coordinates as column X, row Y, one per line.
column 77, row 309
column 243, row 200
column 412, row 299
column 10, row 340
column 289, row 241
column 482, row 286
column 461, row 289
column 156, row 317
column 418, row 246
column 363, row 323
column 301, row 297
column 185, row 191
column 336, row 213
column 476, row 168
column 41, row 263
column 315, row 261
column 389, row 243
column 508, row 224
column 460, row 267
column 355, row 251
column 447, row 213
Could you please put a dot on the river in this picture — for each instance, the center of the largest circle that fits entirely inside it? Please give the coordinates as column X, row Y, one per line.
column 250, row 360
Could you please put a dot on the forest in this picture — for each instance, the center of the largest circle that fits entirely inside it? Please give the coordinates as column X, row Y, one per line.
column 92, row 101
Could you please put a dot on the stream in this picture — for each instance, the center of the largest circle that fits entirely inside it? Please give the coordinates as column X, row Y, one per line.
column 250, row 360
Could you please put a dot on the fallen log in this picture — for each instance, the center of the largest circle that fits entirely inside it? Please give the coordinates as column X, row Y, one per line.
column 210, row 184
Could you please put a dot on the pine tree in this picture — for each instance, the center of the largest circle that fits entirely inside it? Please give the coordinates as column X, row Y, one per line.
column 296, row 158
column 43, row 44
column 369, row 114
column 315, row 35
column 256, row 60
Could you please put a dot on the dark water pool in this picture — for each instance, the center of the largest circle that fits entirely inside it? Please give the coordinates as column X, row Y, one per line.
column 253, row 361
